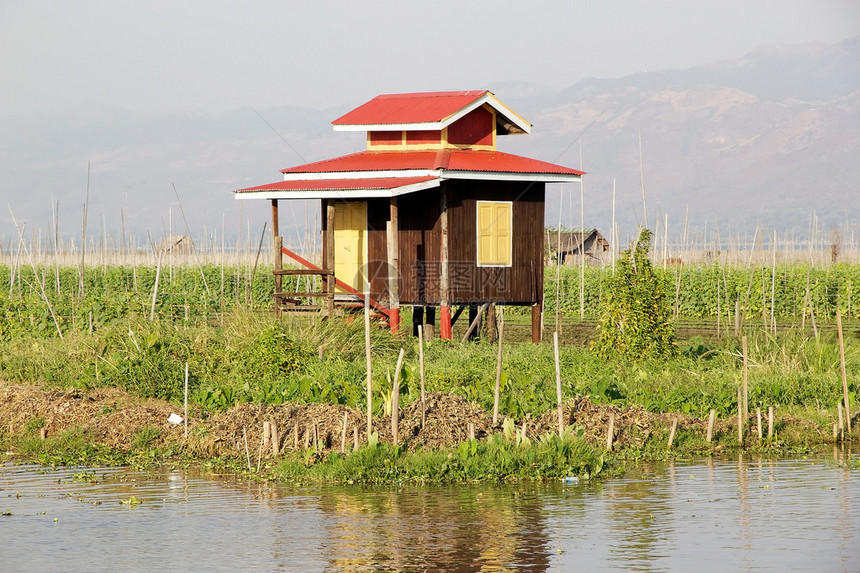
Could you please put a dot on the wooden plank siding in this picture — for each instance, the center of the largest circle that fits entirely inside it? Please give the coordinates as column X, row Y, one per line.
column 420, row 245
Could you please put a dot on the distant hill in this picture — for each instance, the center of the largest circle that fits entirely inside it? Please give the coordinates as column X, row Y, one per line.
column 771, row 138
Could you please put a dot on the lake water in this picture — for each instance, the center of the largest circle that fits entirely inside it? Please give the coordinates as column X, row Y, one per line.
column 738, row 514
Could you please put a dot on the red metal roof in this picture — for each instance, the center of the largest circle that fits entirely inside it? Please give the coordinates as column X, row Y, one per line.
column 363, row 184
column 410, row 108
column 447, row 159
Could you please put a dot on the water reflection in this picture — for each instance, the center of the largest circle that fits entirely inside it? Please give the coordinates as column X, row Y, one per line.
column 707, row 515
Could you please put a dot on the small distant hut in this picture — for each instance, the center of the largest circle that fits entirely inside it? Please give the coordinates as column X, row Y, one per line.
column 429, row 215
column 565, row 247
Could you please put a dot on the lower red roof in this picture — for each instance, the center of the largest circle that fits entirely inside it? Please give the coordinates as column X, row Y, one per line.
column 358, row 184
column 447, row 159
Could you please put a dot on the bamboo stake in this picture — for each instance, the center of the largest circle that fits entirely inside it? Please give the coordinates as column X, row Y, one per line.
column 274, row 436
column 672, row 433
column 155, row 288
column 582, row 243
column 842, row 368
column 369, row 363
column 498, row 369
column 267, row 433
column 745, row 377
column 711, row 420
column 84, row 234
column 260, row 454
column 769, row 422
column 421, row 371
column 610, row 431
column 247, row 453
column 354, row 438
column 841, row 419
column 740, row 416
column 186, row 401
column 343, row 433
column 395, row 400
column 758, row 421
column 558, row 385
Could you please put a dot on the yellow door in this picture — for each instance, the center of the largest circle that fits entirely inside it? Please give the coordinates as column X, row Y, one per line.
column 350, row 245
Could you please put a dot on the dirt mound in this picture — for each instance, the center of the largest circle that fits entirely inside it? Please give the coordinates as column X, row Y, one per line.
column 120, row 420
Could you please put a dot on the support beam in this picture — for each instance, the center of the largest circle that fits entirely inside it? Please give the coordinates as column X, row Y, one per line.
column 278, row 256
column 444, row 293
column 537, row 322
column 392, row 231
column 328, row 254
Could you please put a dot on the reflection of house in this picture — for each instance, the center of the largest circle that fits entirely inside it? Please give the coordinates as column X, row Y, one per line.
column 564, row 246
column 430, row 215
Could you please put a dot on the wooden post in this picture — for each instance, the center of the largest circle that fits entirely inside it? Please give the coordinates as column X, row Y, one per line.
column 395, row 400
column 369, row 364
column 498, row 370
column 328, row 255
column 672, row 433
column 610, row 431
column 278, row 242
column 393, row 245
column 267, row 429
column 769, row 422
column 842, row 367
column 758, row 421
column 558, row 385
column 740, row 416
column 841, row 419
column 354, row 438
column 273, row 433
column 185, row 420
column 279, row 266
column 711, row 419
column 745, row 376
column 343, row 433
column 444, row 291
column 537, row 322
column 471, row 430
column 492, row 327
column 421, row 373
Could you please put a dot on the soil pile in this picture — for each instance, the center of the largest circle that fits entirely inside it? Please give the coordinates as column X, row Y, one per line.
column 117, row 419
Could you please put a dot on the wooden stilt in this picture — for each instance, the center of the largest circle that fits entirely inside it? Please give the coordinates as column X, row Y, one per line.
column 445, row 301
column 537, row 322
column 392, row 243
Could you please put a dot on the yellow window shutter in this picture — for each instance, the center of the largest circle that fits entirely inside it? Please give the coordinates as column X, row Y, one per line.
column 494, row 233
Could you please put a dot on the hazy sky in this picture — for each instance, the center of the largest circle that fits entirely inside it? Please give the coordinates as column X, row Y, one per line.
column 218, row 55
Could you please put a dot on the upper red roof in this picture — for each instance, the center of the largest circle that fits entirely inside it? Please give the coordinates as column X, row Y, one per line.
column 410, row 108
column 447, row 159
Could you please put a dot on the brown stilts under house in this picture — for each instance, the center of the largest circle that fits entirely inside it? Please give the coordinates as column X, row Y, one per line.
column 429, row 215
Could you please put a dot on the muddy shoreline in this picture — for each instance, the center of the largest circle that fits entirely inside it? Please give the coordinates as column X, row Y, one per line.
column 117, row 420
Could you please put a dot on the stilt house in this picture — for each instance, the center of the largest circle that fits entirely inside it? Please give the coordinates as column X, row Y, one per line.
column 430, row 215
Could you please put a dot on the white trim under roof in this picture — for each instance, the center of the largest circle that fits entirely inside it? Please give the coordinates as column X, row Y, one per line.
column 488, row 98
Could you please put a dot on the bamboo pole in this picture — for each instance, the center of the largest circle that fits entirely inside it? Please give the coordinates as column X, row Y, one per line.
column 421, row 373
column 769, row 422
column 740, row 416
column 395, row 400
column 842, row 368
column 672, row 433
column 497, row 390
column 558, row 385
column 343, row 433
column 711, row 420
column 186, row 401
column 610, row 431
column 273, row 425
column 745, row 377
column 369, row 363
column 758, row 421
column 841, row 419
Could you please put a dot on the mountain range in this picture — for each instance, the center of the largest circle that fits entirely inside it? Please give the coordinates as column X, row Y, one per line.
column 768, row 140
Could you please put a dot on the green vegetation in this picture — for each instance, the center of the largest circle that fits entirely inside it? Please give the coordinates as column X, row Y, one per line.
column 218, row 322
column 636, row 321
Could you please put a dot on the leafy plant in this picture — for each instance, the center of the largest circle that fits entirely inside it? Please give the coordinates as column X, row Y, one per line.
column 637, row 317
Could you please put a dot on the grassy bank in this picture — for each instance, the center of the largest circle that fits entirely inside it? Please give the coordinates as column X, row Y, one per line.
column 239, row 358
